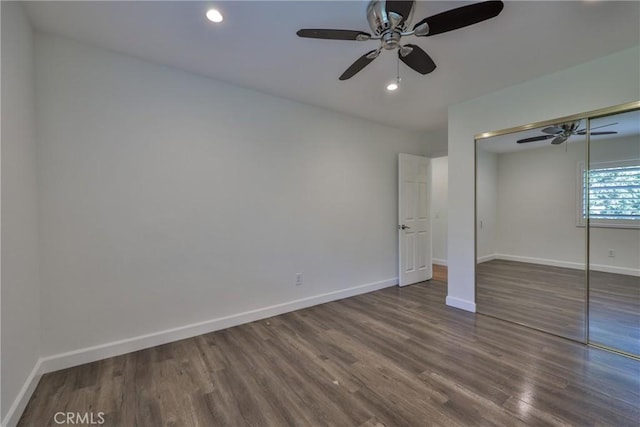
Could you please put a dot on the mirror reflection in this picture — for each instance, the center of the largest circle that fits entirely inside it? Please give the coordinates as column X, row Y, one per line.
column 613, row 201
column 530, row 249
column 558, row 229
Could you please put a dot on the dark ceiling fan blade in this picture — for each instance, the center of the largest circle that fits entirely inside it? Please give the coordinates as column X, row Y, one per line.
column 357, row 66
column 462, row 17
column 319, row 33
column 584, row 131
column 535, row 138
column 553, row 130
column 418, row 59
column 603, row 133
column 402, row 8
column 559, row 140
column 604, row 126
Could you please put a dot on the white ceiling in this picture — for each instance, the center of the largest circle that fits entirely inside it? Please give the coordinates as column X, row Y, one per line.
column 626, row 124
column 256, row 47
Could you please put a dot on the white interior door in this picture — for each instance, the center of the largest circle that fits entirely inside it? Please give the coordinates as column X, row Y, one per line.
column 415, row 219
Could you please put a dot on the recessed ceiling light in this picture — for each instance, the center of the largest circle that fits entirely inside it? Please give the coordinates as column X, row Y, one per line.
column 214, row 15
column 392, row 86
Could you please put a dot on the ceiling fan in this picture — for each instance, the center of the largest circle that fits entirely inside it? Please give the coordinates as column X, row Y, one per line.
column 390, row 21
column 562, row 132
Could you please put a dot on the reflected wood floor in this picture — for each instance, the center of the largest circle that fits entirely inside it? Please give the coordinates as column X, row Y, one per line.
column 553, row 299
column 547, row 298
column 394, row 357
column 614, row 311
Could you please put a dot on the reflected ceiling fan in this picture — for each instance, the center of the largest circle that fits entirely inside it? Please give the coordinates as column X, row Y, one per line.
column 562, row 132
column 390, row 21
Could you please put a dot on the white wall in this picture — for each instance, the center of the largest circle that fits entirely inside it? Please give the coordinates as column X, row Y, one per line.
column 487, row 204
column 537, row 208
column 170, row 199
column 606, row 81
column 436, row 143
column 20, row 286
column 439, row 194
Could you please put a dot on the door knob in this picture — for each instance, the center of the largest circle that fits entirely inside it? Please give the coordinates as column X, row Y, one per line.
column 403, row 227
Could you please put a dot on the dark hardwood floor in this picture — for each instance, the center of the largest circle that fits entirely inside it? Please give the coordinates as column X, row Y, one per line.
column 614, row 311
column 553, row 299
column 395, row 357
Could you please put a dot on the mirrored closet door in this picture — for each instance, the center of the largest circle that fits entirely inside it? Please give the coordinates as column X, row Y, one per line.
column 558, row 227
column 530, row 251
column 611, row 205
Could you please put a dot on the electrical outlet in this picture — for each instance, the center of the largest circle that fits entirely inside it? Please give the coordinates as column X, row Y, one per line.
column 612, row 253
column 298, row 279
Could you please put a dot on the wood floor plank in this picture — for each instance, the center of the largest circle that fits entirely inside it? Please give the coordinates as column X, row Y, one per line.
column 440, row 273
column 395, row 357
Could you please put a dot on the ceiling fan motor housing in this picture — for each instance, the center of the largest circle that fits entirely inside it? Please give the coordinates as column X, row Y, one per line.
column 377, row 16
column 571, row 126
column 386, row 24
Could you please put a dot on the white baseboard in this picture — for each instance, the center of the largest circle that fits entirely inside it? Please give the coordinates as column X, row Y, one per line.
column 116, row 348
column 541, row 261
column 438, row 261
column 462, row 304
column 487, row 258
column 20, row 403
column 567, row 264
column 616, row 270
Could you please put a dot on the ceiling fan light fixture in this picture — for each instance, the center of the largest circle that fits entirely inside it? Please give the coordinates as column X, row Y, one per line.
column 214, row 15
